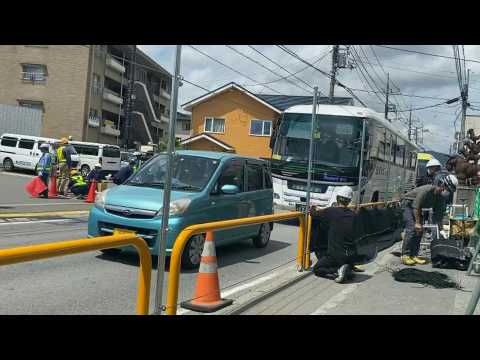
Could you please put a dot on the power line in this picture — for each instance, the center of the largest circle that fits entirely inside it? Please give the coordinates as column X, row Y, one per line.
column 232, row 69
column 424, row 53
column 292, row 53
column 268, row 69
column 292, row 74
column 282, row 67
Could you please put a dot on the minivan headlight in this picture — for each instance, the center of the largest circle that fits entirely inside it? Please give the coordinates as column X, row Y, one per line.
column 177, row 207
column 100, row 199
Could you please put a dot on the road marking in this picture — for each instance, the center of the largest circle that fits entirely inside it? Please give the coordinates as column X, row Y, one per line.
column 340, row 297
column 239, row 288
column 44, row 214
column 46, row 204
column 34, row 222
column 19, row 175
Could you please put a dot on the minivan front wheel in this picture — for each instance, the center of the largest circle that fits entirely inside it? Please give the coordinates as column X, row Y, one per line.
column 263, row 237
column 192, row 254
column 8, row 164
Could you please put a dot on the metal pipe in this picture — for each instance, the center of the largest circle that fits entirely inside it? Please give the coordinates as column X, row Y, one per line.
column 184, row 236
column 310, row 157
column 49, row 250
column 361, row 162
column 162, row 243
column 307, row 260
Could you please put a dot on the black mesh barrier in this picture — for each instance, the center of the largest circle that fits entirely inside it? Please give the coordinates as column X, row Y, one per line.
column 373, row 229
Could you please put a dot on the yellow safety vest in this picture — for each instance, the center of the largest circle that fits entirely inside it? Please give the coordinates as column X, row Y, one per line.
column 78, row 180
column 60, row 154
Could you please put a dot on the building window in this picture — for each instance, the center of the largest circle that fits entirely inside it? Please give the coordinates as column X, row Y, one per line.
column 34, row 72
column 32, row 104
column 142, row 76
column 186, row 125
column 96, row 85
column 261, row 127
column 214, row 125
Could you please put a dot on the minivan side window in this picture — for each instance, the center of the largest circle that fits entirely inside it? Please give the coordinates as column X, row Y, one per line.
column 232, row 175
column 86, row 149
column 9, row 141
column 254, row 177
column 111, row 151
column 26, row 144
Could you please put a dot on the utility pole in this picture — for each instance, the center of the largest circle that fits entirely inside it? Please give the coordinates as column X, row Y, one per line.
column 464, row 95
column 333, row 73
column 416, row 135
column 386, row 96
column 410, row 125
column 168, row 185
column 310, row 161
column 130, row 98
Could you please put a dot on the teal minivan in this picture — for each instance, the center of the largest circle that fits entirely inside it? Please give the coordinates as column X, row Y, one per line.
column 206, row 187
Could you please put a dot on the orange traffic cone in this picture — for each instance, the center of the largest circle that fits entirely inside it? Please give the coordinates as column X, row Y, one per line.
column 91, row 192
column 52, row 192
column 207, row 291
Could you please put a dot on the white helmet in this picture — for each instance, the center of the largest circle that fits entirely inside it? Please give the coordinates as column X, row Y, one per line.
column 433, row 162
column 346, row 192
column 44, row 146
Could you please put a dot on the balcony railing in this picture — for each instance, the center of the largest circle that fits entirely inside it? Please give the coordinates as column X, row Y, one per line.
column 112, row 97
column 114, row 64
column 93, row 122
column 33, row 76
column 109, row 130
column 165, row 94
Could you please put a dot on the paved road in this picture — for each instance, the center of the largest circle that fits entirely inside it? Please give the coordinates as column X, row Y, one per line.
column 14, row 198
column 92, row 283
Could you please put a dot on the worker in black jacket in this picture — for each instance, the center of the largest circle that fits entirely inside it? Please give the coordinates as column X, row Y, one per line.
column 337, row 224
column 124, row 173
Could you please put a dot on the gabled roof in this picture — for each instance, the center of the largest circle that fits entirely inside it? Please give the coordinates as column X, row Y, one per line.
column 188, row 106
column 277, row 103
column 209, row 138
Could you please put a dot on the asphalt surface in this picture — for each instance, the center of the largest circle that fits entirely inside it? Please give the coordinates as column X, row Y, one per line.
column 14, row 198
column 93, row 283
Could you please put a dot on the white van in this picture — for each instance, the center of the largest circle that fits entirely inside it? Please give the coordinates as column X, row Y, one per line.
column 92, row 153
column 21, row 151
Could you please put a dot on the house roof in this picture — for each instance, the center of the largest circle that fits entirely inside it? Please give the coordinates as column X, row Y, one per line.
column 277, row 103
column 188, row 106
column 208, row 138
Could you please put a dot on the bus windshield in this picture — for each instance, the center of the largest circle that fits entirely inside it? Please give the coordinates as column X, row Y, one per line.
column 336, row 139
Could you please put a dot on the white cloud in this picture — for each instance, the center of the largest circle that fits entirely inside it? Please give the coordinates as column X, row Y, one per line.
column 404, row 69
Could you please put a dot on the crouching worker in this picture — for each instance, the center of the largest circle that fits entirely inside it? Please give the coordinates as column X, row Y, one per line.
column 434, row 196
column 337, row 223
column 77, row 184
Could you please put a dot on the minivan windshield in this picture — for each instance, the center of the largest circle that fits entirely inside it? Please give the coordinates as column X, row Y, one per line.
column 190, row 173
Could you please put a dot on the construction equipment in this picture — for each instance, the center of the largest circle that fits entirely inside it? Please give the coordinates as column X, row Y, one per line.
column 430, row 231
column 91, row 192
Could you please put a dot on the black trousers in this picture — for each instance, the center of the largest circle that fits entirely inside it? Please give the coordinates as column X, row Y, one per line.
column 79, row 189
column 412, row 239
column 45, row 181
column 327, row 266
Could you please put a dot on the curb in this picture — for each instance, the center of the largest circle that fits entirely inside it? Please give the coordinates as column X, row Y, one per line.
column 258, row 299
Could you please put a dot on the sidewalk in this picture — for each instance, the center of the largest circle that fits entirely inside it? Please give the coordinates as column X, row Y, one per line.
column 373, row 292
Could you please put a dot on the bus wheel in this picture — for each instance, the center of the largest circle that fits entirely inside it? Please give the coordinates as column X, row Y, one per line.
column 8, row 164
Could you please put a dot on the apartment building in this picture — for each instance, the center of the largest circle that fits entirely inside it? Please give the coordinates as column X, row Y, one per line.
column 82, row 90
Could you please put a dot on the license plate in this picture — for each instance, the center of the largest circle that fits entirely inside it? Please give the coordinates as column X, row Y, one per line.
column 300, row 207
column 122, row 231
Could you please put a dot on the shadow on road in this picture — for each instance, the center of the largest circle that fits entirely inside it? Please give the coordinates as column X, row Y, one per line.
column 226, row 255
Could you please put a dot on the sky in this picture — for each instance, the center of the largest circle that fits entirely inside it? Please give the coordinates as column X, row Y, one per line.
column 410, row 74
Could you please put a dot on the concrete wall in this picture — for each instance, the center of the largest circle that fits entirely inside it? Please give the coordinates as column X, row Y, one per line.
column 64, row 91
column 238, row 110
column 20, row 120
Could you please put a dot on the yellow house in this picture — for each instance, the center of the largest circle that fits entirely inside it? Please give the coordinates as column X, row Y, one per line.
column 232, row 119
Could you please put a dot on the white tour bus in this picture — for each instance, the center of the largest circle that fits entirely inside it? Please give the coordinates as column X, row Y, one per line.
column 389, row 158
column 92, row 153
column 23, row 151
